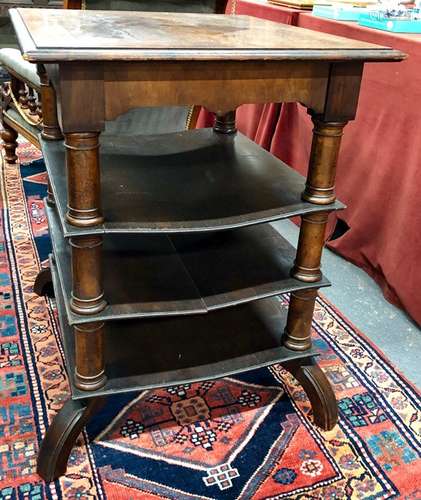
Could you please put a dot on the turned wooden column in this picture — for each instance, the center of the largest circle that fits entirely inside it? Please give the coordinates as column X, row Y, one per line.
column 320, row 185
column 89, row 356
column 225, row 123
column 310, row 246
column 10, row 143
column 87, row 292
column 8, row 134
column 23, row 95
column 319, row 190
column 88, row 298
column 50, row 126
column 83, row 179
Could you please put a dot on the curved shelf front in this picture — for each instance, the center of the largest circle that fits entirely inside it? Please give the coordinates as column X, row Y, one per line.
column 191, row 181
column 148, row 353
column 172, row 275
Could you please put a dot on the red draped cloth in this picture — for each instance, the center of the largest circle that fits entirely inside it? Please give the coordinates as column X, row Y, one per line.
column 257, row 121
column 379, row 169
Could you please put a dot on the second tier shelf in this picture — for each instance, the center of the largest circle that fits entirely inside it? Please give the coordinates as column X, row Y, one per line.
column 158, row 275
column 196, row 180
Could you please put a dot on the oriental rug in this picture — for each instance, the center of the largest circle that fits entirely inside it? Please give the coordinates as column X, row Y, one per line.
column 253, row 437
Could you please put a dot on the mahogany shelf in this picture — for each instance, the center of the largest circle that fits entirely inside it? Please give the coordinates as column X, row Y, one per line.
column 191, row 181
column 191, row 349
column 159, row 275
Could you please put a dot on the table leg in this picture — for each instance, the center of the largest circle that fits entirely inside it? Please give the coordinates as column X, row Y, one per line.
column 318, row 390
column 89, row 356
column 87, row 293
column 43, row 284
column 62, row 434
column 83, row 179
column 225, row 123
column 297, row 336
column 50, row 126
column 88, row 298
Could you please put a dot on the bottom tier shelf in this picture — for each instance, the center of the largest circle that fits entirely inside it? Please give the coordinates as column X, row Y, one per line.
column 147, row 353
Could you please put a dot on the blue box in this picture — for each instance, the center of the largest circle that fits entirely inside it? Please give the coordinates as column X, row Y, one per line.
column 340, row 13
column 394, row 25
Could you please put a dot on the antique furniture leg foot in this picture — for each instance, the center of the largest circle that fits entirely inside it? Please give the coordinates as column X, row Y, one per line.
column 43, row 285
column 62, row 435
column 318, row 390
column 297, row 337
column 9, row 137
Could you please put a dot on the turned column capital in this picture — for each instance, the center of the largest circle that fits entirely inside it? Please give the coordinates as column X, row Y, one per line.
column 320, row 184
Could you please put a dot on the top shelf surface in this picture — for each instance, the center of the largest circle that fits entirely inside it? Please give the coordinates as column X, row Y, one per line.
column 190, row 181
column 65, row 35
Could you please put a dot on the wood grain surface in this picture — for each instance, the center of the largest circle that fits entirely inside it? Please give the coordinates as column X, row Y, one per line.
column 110, row 35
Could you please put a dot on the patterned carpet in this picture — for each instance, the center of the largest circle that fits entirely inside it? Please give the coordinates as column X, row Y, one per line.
column 251, row 439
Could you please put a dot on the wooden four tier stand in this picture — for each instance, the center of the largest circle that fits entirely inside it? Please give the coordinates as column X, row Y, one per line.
column 165, row 266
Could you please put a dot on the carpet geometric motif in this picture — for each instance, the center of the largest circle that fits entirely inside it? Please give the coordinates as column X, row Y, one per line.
column 244, row 437
column 200, row 425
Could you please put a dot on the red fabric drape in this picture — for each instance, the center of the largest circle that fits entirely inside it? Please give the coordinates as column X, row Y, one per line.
column 379, row 170
column 257, row 121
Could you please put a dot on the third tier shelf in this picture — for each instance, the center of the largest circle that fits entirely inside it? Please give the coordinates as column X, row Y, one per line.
column 147, row 353
column 158, row 275
column 191, row 181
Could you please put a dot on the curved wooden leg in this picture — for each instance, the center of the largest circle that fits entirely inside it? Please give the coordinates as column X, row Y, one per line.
column 318, row 390
column 43, row 285
column 9, row 137
column 62, row 435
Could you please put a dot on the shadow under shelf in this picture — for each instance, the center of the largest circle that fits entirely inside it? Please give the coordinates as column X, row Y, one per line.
column 196, row 180
column 157, row 352
column 162, row 275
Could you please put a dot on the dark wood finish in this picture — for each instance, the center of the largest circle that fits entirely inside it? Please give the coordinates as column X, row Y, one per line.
column 83, row 179
column 50, row 126
column 32, row 102
column 43, row 284
column 160, row 275
column 342, row 92
column 297, row 335
column 86, row 258
column 319, row 191
column 191, row 348
column 9, row 136
column 310, row 245
column 320, row 183
column 23, row 95
column 72, row 4
column 89, row 369
column 62, row 434
column 97, row 35
column 318, row 390
column 30, row 133
column 225, row 123
column 220, row 85
column 206, row 181
column 103, row 64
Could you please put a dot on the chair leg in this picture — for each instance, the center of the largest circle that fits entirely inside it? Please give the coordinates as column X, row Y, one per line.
column 9, row 137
